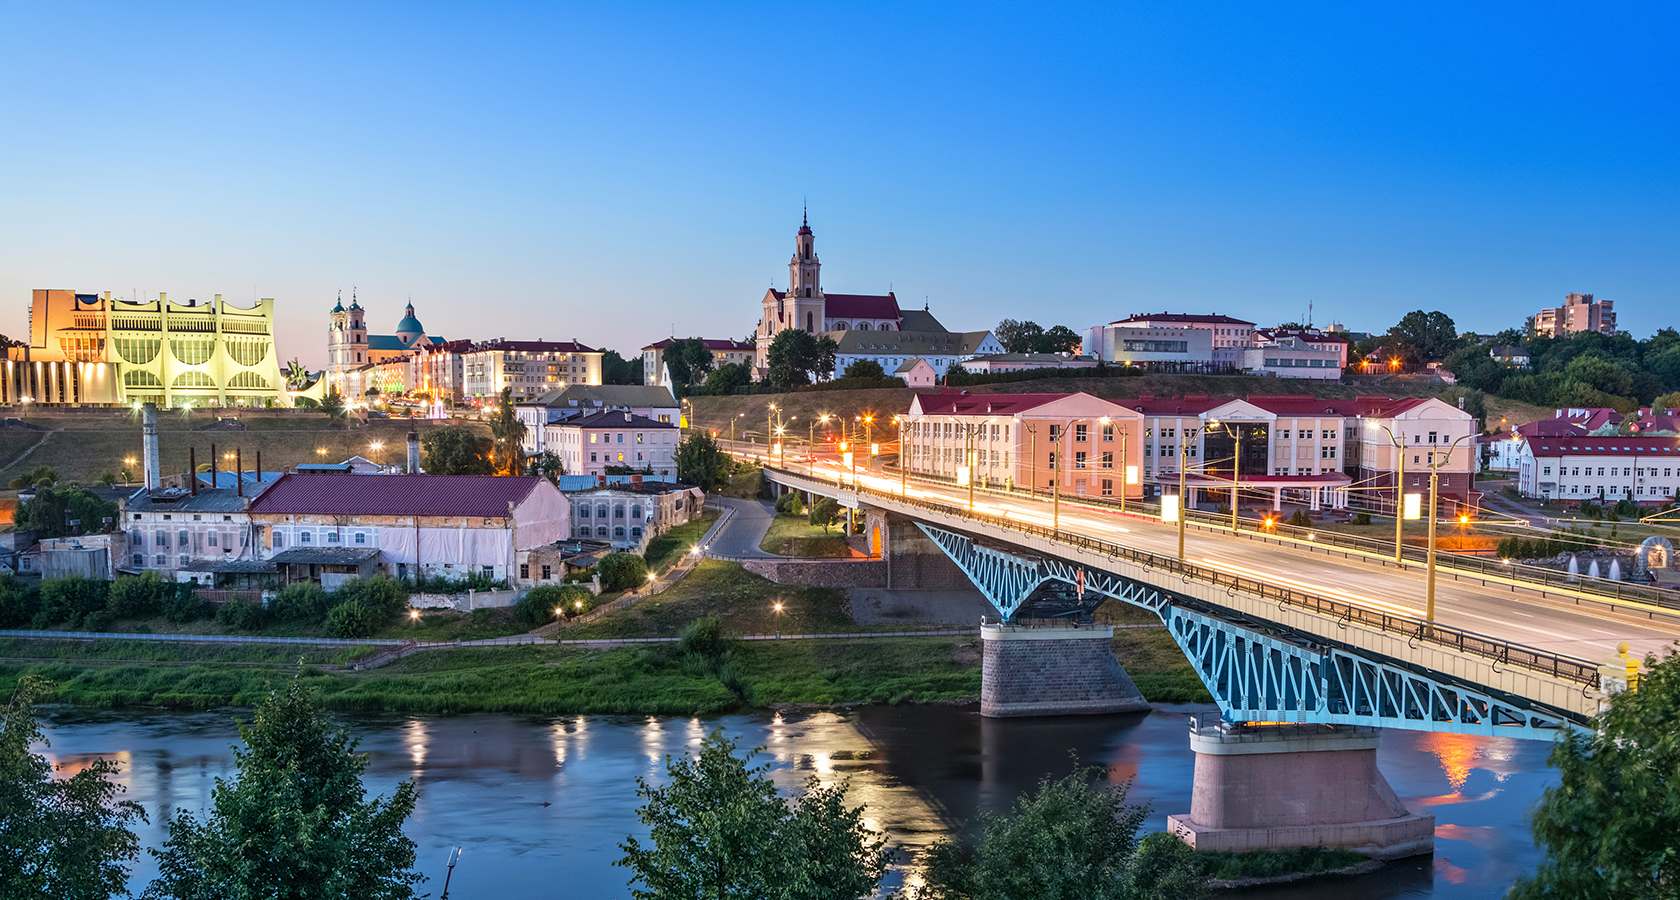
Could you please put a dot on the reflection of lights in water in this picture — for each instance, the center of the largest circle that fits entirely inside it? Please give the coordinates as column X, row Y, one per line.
column 1445, row 869
column 653, row 744
column 414, row 734
column 696, row 734
column 69, row 765
column 1456, row 752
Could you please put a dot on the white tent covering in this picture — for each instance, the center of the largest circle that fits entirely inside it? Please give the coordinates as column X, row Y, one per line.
column 541, row 518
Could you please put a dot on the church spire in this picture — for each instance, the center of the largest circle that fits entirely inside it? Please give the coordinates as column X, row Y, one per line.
column 804, row 271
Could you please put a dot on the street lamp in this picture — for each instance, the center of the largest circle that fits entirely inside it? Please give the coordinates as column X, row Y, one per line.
column 1183, row 464
column 1235, row 432
column 1399, row 492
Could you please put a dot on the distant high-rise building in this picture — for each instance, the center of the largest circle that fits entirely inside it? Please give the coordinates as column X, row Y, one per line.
column 1579, row 312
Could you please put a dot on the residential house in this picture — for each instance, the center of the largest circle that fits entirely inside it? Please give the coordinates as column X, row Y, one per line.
column 628, row 515
column 574, row 401
column 591, row 444
column 917, row 373
column 1021, row 362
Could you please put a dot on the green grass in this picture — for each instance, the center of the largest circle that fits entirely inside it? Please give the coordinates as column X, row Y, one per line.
column 796, row 536
column 678, row 540
column 1152, row 657
column 88, row 446
column 432, row 625
column 545, row 679
column 744, row 601
column 1275, row 863
column 136, row 651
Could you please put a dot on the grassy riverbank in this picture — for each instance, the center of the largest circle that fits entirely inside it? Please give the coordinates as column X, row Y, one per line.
column 796, row 536
column 1151, row 656
column 658, row 679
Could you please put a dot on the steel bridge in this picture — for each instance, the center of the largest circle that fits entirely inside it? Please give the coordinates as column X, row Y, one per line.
column 1265, row 653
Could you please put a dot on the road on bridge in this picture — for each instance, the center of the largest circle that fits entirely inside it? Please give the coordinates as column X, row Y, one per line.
column 1554, row 623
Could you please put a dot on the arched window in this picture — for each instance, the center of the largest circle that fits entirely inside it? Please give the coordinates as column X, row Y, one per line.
column 810, row 319
column 840, row 326
column 863, row 326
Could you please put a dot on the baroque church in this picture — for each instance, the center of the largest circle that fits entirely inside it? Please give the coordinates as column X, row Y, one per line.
column 864, row 326
column 350, row 347
column 804, row 305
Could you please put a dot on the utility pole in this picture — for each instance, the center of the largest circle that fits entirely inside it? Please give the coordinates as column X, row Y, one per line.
column 1399, row 493
column 1435, row 465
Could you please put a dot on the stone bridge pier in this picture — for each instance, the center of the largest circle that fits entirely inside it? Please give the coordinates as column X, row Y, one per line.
column 1272, row 786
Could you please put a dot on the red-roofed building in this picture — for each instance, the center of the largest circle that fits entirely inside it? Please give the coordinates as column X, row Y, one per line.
column 1026, row 440
column 530, row 368
column 805, row 306
column 451, row 526
column 724, row 352
column 1645, row 469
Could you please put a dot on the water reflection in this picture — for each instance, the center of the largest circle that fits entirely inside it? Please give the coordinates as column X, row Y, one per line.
column 541, row 804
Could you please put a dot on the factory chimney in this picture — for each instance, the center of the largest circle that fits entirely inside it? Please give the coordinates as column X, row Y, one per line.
column 413, row 448
column 149, row 448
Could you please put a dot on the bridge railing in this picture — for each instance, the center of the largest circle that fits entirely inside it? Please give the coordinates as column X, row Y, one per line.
column 1468, row 642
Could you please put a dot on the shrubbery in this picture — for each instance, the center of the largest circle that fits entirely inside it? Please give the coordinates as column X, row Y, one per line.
column 139, row 596
column 538, row 605
column 623, row 571
column 67, row 600
column 18, row 602
column 184, row 605
column 351, row 620
column 300, row 602
column 1570, row 541
column 790, row 504
column 248, row 615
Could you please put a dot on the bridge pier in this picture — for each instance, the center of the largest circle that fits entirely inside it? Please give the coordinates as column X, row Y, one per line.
column 1284, row 785
column 1053, row 670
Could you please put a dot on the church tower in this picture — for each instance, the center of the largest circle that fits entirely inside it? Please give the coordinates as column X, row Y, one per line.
column 805, row 270
column 346, row 341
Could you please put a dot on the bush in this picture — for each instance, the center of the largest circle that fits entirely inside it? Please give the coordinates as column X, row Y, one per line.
column 137, row 597
column 18, row 602
column 623, row 571
column 184, row 605
column 1362, row 519
column 351, row 620
column 382, row 596
column 1300, row 519
column 825, row 512
column 538, row 605
column 98, row 620
column 300, row 602
column 703, row 637
column 246, row 615
column 69, row 599
column 790, row 504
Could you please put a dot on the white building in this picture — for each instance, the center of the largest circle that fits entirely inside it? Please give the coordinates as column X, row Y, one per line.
column 530, row 368
column 1160, row 348
column 590, row 444
column 1021, row 362
column 648, row 401
column 1294, row 357
column 1612, row 467
column 630, row 514
column 724, row 352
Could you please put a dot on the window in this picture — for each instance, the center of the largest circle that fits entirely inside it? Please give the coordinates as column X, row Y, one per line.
column 1108, row 432
column 210, row 539
column 361, row 538
column 1327, row 453
column 618, row 512
column 583, row 511
column 1431, row 437
column 184, row 538
column 636, row 532
column 1055, row 432
column 489, row 571
column 304, row 537
column 1283, row 435
column 1108, row 459
column 524, row 571
column 1546, row 471
column 601, row 531
column 279, row 540
column 1079, row 460
column 1329, row 434
column 185, row 559
column 162, row 560
column 1601, row 470
column 636, row 512
column 163, row 538
column 618, row 532
column 332, row 537
column 1081, row 433
column 547, row 573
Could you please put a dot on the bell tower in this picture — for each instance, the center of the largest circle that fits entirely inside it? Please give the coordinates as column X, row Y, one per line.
column 805, row 270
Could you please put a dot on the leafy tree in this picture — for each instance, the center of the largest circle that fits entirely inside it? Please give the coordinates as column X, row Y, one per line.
column 332, row 404
column 184, row 605
column 1474, row 402
column 792, row 359
column 1601, row 373
column 49, row 512
column 1018, row 337
column 40, row 475
column 546, row 464
column 65, row 838
column 1667, row 402
column 539, row 603
column 19, row 602
column 383, row 596
column 701, row 462
column 456, row 450
column 69, row 599
column 509, row 435
column 825, row 511
column 1070, row 840
column 139, row 596
column 1611, row 828
column 865, row 368
column 1059, row 339
column 244, row 614
column 789, row 504
column 615, row 369
column 1430, row 335
column 622, row 572
column 302, row 601
column 718, row 829
column 728, row 378
column 690, row 361
column 293, row 825
column 351, row 619
column 827, row 350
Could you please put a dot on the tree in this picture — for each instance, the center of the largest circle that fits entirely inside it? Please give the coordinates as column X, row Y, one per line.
column 456, row 450
column 791, row 359
column 719, row 829
column 1070, row 839
column 333, row 404
column 1430, row 335
column 40, row 475
column 865, row 368
column 622, row 572
column 1611, row 827
column 825, row 511
column 728, row 378
column 615, row 369
column 546, row 464
column 541, row 603
column 293, row 824
column 1018, row 337
column 1059, row 339
column 701, row 462
column 509, row 434
column 696, row 358
column 51, row 510
column 64, row 838
column 827, row 350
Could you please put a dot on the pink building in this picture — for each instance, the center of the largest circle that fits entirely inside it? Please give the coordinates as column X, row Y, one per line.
column 1093, row 446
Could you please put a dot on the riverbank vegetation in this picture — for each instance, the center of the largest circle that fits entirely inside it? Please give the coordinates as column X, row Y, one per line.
column 118, row 650
column 1150, row 655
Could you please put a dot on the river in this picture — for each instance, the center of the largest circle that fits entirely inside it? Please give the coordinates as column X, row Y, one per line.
column 540, row 804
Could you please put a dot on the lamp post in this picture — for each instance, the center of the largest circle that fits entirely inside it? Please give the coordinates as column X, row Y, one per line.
column 1032, row 457
column 1056, row 465
column 1235, row 432
column 1435, row 463
column 1399, row 492
column 903, row 461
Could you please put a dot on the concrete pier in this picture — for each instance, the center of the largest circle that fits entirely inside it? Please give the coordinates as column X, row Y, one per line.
column 1053, row 670
column 1274, row 786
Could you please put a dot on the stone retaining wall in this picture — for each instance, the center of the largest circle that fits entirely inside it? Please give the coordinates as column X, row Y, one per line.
column 467, row 602
column 831, row 573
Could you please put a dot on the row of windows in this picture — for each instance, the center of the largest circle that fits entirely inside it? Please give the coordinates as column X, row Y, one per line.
column 1656, row 490
column 183, row 538
column 617, row 532
column 601, row 511
column 1624, row 471
column 306, row 537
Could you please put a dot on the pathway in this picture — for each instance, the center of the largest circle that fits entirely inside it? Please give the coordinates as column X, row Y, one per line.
column 745, row 527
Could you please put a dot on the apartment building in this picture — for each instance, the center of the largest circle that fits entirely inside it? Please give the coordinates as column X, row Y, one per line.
column 724, row 352
column 1579, row 312
column 1026, row 441
column 530, row 368
column 630, row 513
column 573, row 401
column 590, row 444
column 175, row 529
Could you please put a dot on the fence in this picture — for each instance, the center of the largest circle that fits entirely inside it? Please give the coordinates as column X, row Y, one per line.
column 1504, row 652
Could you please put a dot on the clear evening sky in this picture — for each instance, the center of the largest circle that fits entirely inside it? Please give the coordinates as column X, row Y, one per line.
column 560, row 171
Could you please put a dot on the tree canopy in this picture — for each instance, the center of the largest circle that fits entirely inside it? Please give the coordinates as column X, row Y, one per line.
column 701, row 462
column 508, row 433
column 51, row 510
column 456, row 450
column 1611, row 827
column 65, row 838
column 719, row 829
column 728, row 378
column 615, row 369
column 865, row 368
column 797, row 357
column 293, row 823
column 1030, row 337
column 689, row 361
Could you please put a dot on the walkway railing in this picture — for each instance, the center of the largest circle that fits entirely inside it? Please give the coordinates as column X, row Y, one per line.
column 1505, row 652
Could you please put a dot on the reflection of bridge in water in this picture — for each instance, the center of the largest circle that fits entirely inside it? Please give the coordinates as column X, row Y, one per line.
column 1305, row 674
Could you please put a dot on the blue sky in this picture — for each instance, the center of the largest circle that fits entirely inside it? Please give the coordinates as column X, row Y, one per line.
column 559, row 171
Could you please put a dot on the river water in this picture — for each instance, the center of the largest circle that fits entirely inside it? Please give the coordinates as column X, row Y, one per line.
column 540, row 804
